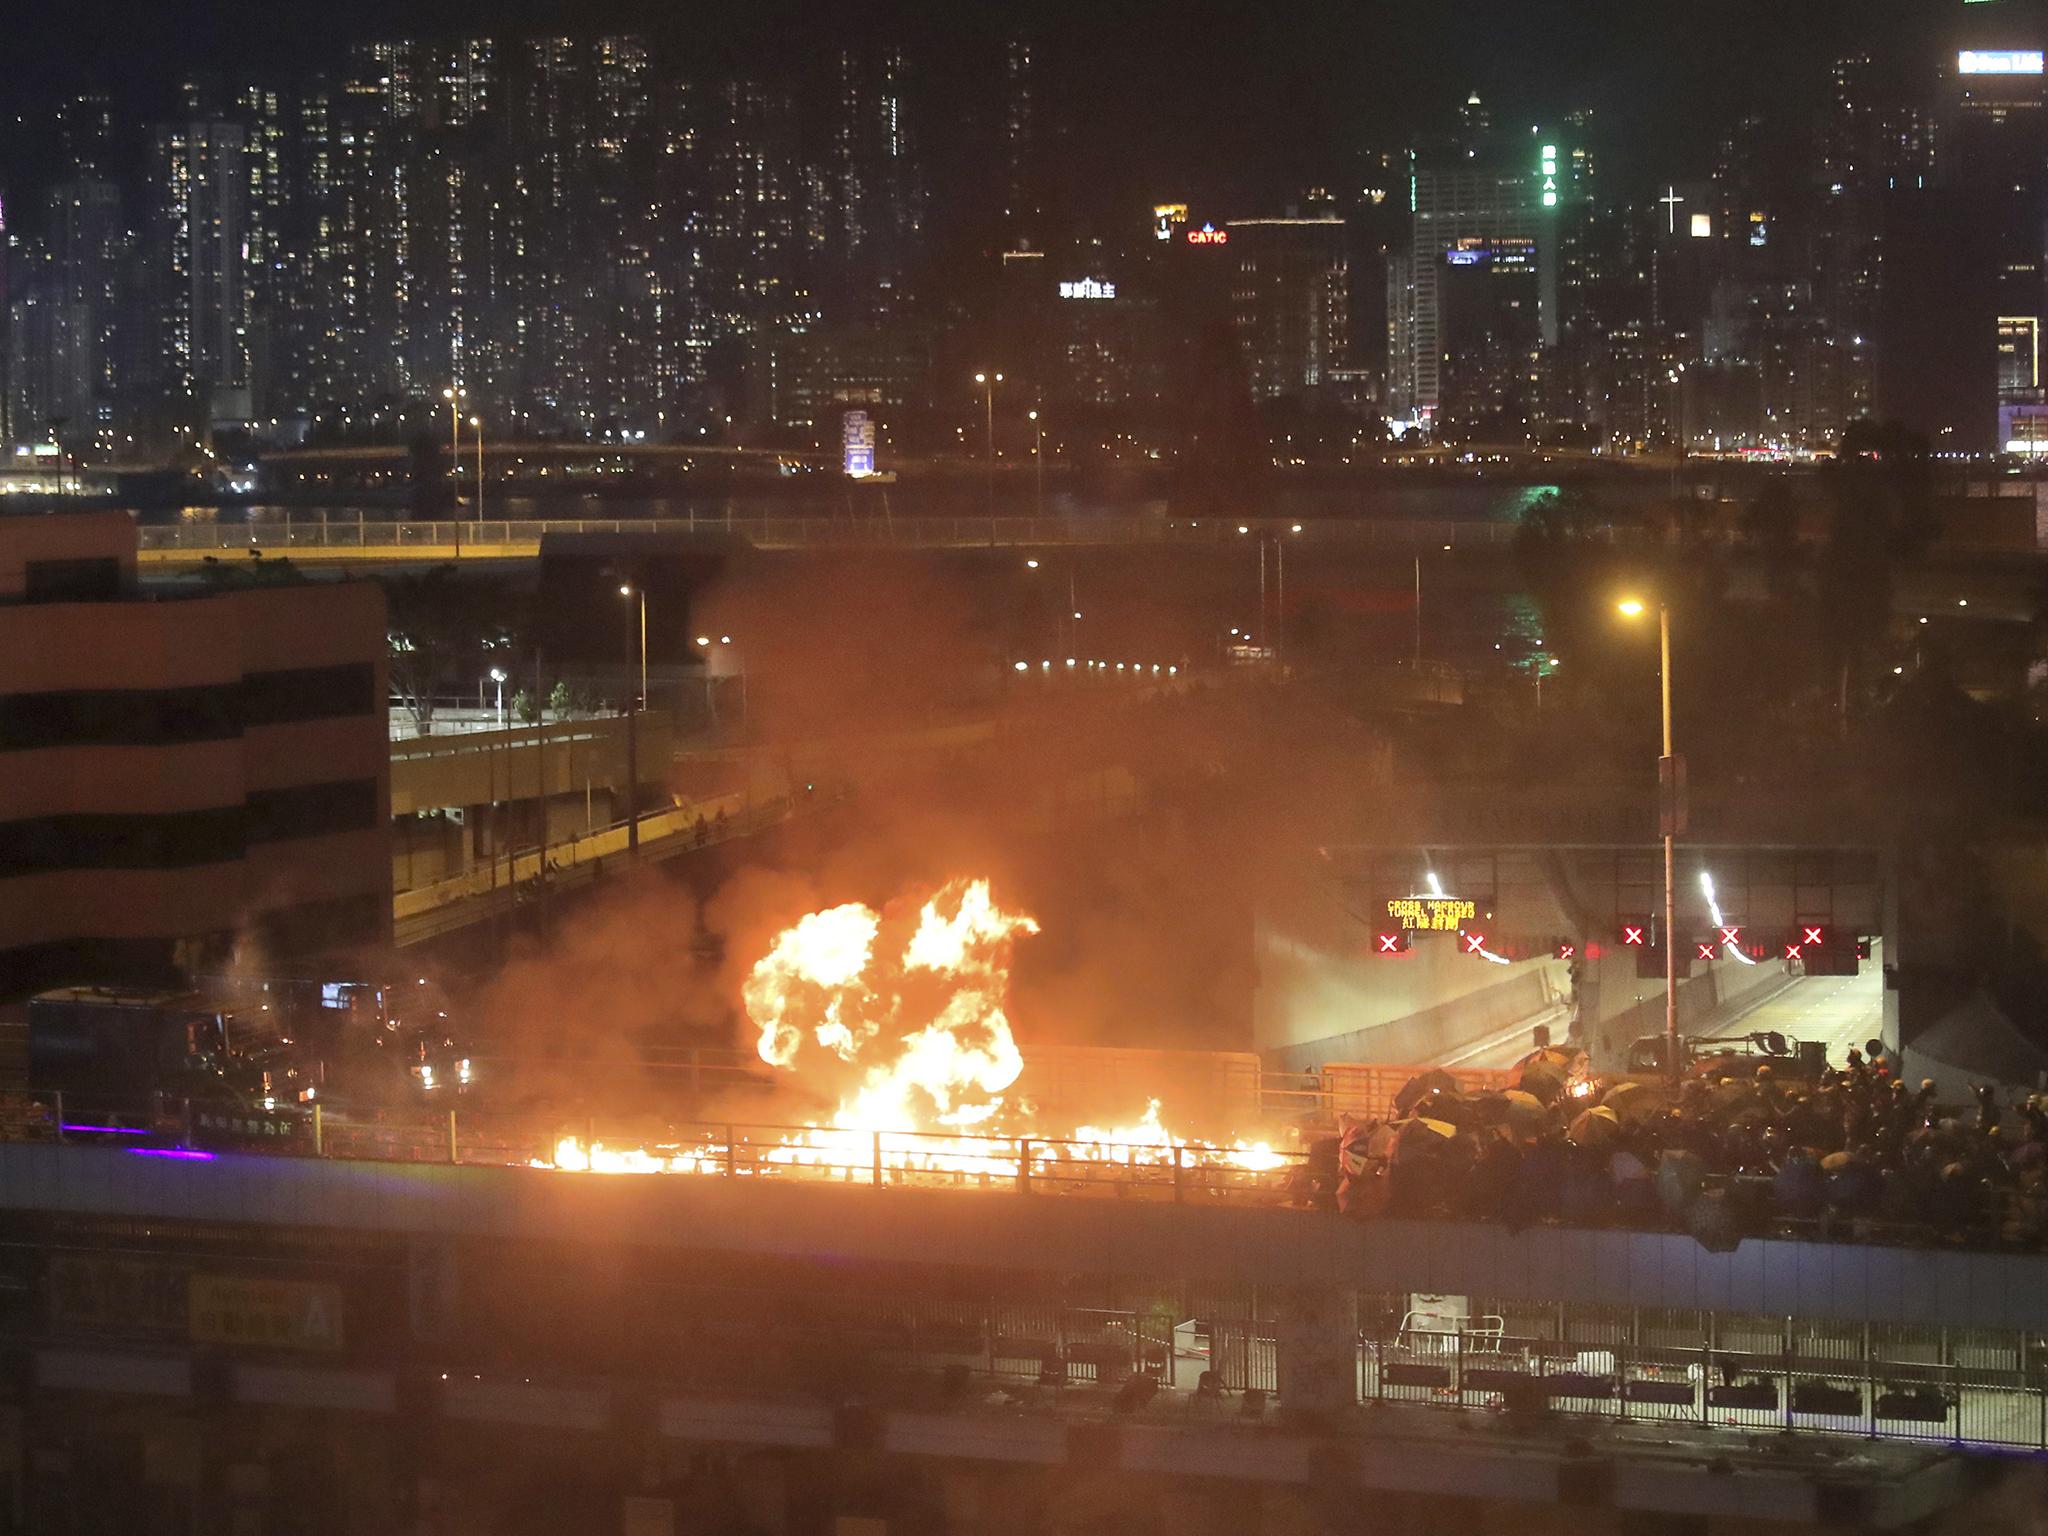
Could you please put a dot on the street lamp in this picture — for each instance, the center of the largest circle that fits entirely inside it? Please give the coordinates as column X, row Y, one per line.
column 498, row 677
column 988, row 383
column 1668, row 807
column 453, row 395
column 1038, row 458
column 476, row 427
column 628, row 590
column 1677, row 377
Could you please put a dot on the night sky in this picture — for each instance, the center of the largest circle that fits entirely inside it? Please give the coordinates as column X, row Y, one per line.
column 1217, row 100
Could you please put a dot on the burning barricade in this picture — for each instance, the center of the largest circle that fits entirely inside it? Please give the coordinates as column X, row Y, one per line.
column 900, row 1021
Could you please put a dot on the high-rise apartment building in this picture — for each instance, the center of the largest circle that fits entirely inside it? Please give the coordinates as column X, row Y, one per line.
column 1288, row 301
column 198, row 233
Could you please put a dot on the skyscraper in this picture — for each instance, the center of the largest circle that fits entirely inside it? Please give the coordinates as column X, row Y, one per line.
column 199, row 193
column 1486, row 211
column 1288, row 301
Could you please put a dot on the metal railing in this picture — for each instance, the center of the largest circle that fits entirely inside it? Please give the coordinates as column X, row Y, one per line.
column 452, row 539
column 1882, row 1384
column 1182, row 1174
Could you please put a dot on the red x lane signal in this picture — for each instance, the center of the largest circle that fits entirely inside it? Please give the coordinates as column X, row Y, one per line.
column 1731, row 936
column 1795, row 951
column 1813, row 935
column 1567, row 951
column 1632, row 933
column 1390, row 943
column 1475, row 943
column 1708, row 951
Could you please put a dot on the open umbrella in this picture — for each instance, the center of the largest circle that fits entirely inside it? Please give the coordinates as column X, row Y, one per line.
column 1797, row 1187
column 1679, row 1178
column 1524, row 1115
column 1421, row 1136
column 1460, row 1109
column 1633, row 1102
column 1627, row 1168
column 1595, row 1127
column 1420, row 1087
column 1542, row 1080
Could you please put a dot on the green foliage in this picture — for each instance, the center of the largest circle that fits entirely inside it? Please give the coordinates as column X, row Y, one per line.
column 442, row 630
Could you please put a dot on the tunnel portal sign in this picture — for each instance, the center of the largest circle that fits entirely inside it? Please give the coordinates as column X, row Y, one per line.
column 1431, row 914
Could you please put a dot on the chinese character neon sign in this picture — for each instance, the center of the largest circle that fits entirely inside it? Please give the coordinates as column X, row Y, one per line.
column 1088, row 288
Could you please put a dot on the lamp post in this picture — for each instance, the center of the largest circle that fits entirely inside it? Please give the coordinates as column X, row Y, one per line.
column 1669, row 787
column 453, row 395
column 476, row 427
column 1677, row 377
column 1038, row 458
column 988, row 383
column 498, row 677
column 627, row 589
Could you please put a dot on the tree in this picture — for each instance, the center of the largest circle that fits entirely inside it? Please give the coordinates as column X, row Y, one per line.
column 440, row 626
column 1569, row 561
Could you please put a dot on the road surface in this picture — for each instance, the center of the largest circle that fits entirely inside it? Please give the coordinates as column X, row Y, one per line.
column 1842, row 1011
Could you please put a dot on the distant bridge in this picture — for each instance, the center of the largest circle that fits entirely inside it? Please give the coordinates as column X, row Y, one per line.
column 360, row 541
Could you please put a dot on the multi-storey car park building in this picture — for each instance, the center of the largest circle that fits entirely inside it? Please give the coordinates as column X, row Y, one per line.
column 175, row 771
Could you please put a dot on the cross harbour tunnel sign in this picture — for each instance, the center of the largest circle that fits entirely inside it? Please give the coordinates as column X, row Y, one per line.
column 1431, row 914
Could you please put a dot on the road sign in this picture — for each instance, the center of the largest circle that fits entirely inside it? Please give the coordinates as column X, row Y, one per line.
column 1671, row 796
column 1475, row 943
column 1390, row 944
column 1431, row 914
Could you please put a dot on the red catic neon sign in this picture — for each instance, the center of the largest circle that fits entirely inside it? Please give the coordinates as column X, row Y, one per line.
column 1208, row 234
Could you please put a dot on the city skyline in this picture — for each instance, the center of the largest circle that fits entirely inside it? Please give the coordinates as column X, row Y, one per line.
column 607, row 233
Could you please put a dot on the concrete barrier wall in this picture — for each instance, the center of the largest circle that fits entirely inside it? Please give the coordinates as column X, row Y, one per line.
column 1427, row 1034
column 1040, row 1234
column 1703, row 1000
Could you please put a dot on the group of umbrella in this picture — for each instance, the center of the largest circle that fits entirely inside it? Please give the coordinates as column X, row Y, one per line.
column 1733, row 1150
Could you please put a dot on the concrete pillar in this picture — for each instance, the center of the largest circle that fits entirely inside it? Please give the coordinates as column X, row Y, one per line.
column 1316, row 1334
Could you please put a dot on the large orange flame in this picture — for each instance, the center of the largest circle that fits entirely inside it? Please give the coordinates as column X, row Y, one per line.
column 910, row 1019
column 921, row 1018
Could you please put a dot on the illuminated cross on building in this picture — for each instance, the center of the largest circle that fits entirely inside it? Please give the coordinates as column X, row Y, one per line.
column 1671, row 200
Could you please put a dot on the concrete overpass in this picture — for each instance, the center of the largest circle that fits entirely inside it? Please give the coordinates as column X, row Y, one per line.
column 950, row 1330
column 325, row 540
